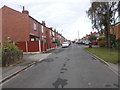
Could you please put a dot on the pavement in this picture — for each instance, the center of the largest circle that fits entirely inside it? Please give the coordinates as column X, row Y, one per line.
column 30, row 59
column 70, row 67
column 113, row 67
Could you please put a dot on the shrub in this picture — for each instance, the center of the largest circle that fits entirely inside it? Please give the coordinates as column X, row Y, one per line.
column 118, row 44
column 102, row 41
column 12, row 52
column 102, row 38
column 10, row 47
column 56, row 41
column 92, row 37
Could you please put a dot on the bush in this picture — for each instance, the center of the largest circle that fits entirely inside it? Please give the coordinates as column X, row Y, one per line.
column 118, row 44
column 56, row 41
column 14, row 55
column 92, row 37
column 102, row 38
column 10, row 47
column 113, row 41
column 101, row 43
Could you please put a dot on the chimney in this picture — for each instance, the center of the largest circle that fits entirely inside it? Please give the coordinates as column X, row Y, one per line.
column 90, row 32
column 43, row 23
column 25, row 11
column 51, row 28
column 54, row 30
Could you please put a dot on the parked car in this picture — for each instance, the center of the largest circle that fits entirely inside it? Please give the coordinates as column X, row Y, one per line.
column 87, row 42
column 65, row 44
column 78, row 42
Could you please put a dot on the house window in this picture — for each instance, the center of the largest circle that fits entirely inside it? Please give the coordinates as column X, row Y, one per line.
column 50, row 33
column 53, row 33
column 32, row 39
column 42, row 30
column 37, row 39
column 35, row 26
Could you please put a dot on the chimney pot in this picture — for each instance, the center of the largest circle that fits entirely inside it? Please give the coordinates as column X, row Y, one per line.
column 25, row 11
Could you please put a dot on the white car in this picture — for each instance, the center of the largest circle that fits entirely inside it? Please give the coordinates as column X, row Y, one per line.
column 87, row 42
column 65, row 44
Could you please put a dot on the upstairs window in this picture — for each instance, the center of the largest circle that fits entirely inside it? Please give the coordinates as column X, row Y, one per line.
column 35, row 26
column 42, row 30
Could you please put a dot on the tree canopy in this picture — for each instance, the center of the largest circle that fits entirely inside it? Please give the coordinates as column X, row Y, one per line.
column 102, row 15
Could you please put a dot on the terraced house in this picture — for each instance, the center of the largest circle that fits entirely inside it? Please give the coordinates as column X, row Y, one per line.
column 24, row 30
column 115, row 29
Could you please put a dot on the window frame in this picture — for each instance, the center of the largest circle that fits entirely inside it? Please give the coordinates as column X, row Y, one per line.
column 35, row 26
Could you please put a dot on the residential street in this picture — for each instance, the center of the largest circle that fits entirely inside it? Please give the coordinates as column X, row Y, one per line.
column 70, row 67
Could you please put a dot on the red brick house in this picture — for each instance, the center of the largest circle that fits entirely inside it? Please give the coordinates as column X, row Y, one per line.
column 21, row 27
column 115, row 31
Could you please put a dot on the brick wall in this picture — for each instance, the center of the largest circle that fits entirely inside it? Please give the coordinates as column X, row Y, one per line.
column 116, row 30
column 15, row 25
column 48, row 41
column 31, row 27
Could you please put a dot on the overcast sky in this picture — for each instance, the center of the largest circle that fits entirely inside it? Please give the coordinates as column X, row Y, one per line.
column 67, row 15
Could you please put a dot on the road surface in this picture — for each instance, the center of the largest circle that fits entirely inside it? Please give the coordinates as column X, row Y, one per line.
column 70, row 67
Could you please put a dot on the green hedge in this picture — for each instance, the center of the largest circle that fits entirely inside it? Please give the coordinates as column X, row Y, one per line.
column 102, row 38
column 10, row 47
column 14, row 55
column 57, row 42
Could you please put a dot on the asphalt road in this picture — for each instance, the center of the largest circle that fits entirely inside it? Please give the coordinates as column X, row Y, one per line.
column 70, row 67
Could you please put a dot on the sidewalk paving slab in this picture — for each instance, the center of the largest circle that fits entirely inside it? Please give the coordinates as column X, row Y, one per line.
column 29, row 60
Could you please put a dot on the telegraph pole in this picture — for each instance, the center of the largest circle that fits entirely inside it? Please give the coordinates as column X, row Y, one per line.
column 78, row 34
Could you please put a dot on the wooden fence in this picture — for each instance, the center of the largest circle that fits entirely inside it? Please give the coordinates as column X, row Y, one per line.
column 34, row 46
column 29, row 46
column 9, row 58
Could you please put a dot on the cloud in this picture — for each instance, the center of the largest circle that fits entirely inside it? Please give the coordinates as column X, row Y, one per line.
column 66, row 15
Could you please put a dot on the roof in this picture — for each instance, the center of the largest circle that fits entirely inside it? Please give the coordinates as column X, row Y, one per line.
column 116, row 23
column 35, row 19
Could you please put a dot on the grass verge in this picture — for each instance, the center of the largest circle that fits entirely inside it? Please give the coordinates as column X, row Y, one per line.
column 109, row 55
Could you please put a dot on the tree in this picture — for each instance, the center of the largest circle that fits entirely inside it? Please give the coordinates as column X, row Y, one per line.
column 119, row 9
column 102, row 15
column 92, row 37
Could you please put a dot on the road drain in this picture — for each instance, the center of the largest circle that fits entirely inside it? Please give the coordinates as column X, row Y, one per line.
column 60, row 82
